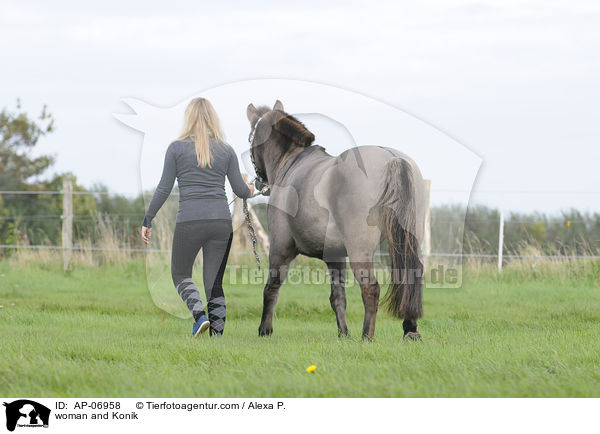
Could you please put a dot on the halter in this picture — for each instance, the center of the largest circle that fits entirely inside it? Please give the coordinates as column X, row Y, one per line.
column 261, row 176
column 263, row 187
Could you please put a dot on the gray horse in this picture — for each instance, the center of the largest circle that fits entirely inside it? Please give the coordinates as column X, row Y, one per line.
column 333, row 208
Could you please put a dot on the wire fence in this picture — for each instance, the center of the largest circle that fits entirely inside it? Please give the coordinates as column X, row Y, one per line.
column 382, row 254
column 88, row 193
column 81, row 248
column 91, row 217
column 176, row 193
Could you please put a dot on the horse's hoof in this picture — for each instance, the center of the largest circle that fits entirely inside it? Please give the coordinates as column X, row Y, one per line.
column 343, row 334
column 412, row 336
column 265, row 332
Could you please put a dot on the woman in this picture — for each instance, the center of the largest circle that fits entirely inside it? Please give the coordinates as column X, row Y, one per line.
column 200, row 159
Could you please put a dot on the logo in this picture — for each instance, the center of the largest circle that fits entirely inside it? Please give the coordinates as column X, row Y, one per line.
column 26, row 413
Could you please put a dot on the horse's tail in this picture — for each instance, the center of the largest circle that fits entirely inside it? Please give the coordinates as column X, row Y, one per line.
column 397, row 212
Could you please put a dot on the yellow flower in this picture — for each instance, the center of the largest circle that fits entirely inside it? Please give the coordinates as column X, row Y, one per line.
column 568, row 223
column 311, row 368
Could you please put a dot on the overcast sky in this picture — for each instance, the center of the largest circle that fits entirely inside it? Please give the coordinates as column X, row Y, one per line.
column 515, row 82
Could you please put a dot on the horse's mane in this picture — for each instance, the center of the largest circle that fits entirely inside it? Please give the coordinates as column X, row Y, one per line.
column 293, row 129
column 289, row 127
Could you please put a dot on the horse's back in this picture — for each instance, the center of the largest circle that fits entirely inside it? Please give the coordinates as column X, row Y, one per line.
column 359, row 174
column 353, row 186
column 327, row 204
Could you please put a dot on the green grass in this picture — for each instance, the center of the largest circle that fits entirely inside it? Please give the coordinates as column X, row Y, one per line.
column 96, row 332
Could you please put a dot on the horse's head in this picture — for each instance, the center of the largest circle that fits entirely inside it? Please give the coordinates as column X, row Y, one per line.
column 274, row 133
column 254, row 113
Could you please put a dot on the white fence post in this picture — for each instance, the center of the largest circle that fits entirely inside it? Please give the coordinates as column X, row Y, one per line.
column 67, row 223
column 501, row 238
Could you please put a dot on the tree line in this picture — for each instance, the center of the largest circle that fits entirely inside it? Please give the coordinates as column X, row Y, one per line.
column 570, row 232
column 36, row 218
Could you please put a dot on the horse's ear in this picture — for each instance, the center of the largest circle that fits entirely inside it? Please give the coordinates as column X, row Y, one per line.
column 251, row 113
column 278, row 105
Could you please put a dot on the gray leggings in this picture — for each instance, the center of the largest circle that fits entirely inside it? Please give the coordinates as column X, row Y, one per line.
column 214, row 238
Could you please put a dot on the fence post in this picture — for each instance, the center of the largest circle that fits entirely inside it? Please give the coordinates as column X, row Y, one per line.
column 67, row 222
column 501, row 238
column 427, row 230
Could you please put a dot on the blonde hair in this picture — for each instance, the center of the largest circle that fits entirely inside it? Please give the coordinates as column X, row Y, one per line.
column 201, row 123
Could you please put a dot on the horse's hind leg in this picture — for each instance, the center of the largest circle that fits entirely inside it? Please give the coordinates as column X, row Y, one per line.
column 278, row 268
column 337, row 274
column 410, row 330
column 369, row 288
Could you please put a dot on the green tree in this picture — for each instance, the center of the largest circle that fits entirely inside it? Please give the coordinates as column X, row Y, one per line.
column 19, row 169
column 19, row 134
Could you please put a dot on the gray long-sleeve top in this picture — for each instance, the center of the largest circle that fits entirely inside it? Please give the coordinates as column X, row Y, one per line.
column 201, row 190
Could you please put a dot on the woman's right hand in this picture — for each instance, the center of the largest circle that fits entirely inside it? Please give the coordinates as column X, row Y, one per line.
column 251, row 187
column 146, row 234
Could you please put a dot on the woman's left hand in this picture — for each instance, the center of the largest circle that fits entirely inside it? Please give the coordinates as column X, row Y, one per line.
column 146, row 234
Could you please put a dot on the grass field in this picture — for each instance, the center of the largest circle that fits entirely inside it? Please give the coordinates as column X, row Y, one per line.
column 96, row 332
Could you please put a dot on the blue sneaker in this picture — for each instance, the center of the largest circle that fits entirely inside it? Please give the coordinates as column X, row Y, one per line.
column 200, row 326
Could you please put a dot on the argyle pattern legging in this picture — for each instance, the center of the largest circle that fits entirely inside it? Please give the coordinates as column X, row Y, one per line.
column 214, row 238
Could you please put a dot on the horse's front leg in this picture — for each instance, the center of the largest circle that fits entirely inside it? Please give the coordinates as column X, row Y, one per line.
column 278, row 268
column 337, row 274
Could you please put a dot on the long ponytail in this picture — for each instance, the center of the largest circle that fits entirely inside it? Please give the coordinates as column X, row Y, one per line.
column 201, row 124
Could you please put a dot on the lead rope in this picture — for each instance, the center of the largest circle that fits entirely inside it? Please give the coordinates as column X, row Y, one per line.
column 251, row 231
column 248, row 221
